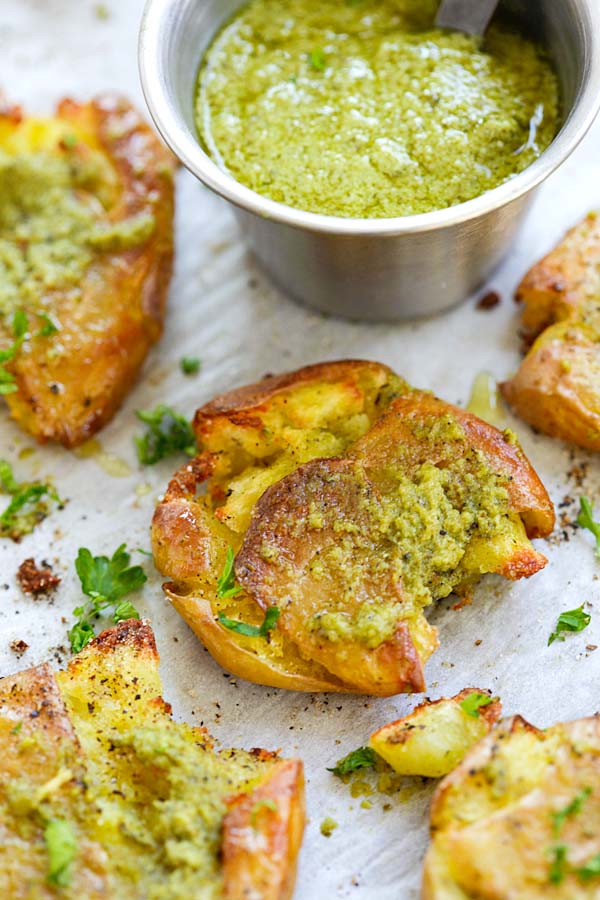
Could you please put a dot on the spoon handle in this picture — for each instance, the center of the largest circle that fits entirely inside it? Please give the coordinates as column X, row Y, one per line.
column 471, row 16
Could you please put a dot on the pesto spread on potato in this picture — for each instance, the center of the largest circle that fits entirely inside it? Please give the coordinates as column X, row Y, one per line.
column 361, row 108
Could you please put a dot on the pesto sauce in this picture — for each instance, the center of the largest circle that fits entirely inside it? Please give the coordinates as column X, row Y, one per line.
column 421, row 527
column 53, row 223
column 361, row 108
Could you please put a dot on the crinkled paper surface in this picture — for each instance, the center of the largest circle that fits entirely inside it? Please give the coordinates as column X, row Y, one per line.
column 223, row 310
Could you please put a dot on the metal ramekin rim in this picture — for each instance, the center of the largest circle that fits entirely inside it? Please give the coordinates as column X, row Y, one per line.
column 159, row 16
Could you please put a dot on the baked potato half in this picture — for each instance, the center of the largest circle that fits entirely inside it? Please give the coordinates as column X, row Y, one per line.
column 519, row 817
column 327, row 508
column 103, row 795
column 556, row 387
column 432, row 740
column 86, row 250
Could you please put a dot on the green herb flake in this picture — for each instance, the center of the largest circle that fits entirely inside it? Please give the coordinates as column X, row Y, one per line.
column 17, row 728
column 20, row 325
column 28, row 506
column 573, row 620
column 265, row 803
column 49, row 327
column 474, row 702
column 317, row 59
column 571, row 809
column 363, row 758
column 226, row 586
column 590, row 870
column 61, row 845
column 105, row 581
column 328, row 826
column 585, row 519
column 168, row 433
column 190, row 365
column 559, row 865
column 270, row 620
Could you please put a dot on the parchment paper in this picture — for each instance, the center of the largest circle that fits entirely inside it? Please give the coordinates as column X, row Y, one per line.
column 225, row 311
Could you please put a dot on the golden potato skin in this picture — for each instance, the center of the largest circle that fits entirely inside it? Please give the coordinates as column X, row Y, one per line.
column 556, row 387
column 494, row 819
column 260, row 446
column 436, row 735
column 72, row 383
column 69, row 725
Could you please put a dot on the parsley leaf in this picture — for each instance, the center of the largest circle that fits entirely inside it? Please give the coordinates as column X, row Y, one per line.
column 473, row 703
column 226, row 586
column 559, row 865
column 49, row 327
column 571, row 809
column 573, row 620
column 61, row 845
column 189, row 365
column 105, row 581
column 363, row 758
column 168, row 432
column 27, row 507
column 585, row 519
column 317, row 59
column 591, row 869
column 8, row 384
column 270, row 620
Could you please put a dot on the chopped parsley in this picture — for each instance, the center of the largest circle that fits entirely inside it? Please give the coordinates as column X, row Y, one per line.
column 8, row 384
column 328, row 826
column 474, row 702
column 590, row 870
column 105, row 581
column 363, row 758
column 226, row 586
column 168, row 432
column 61, row 845
column 28, row 506
column 571, row 809
column 559, row 864
column 190, row 365
column 573, row 620
column 317, row 59
column 585, row 519
column 269, row 622
column 49, row 327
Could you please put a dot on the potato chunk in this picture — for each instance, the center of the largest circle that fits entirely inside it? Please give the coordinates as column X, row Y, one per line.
column 519, row 817
column 86, row 231
column 556, row 387
column 350, row 501
column 433, row 739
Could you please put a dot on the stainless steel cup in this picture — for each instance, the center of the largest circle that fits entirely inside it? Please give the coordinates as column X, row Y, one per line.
column 378, row 269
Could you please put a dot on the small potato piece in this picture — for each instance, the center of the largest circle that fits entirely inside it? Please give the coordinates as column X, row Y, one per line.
column 556, row 387
column 434, row 738
column 87, row 340
column 519, row 817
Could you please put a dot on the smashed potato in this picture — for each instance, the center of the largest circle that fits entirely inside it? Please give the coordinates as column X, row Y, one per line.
column 519, row 817
column 103, row 795
column 86, row 249
column 433, row 739
column 351, row 502
column 556, row 388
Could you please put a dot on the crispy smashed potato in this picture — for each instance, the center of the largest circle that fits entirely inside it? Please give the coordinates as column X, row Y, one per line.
column 351, row 502
column 103, row 795
column 86, row 249
column 519, row 817
column 557, row 386
column 433, row 739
